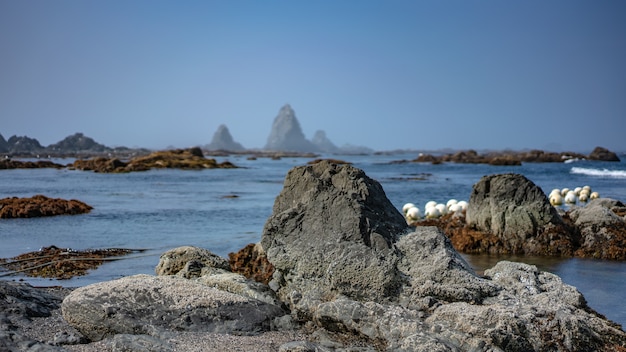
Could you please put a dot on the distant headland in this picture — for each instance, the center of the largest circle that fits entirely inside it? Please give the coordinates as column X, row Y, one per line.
column 285, row 139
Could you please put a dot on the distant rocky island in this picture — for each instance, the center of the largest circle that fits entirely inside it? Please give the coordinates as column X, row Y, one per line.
column 286, row 139
column 285, row 136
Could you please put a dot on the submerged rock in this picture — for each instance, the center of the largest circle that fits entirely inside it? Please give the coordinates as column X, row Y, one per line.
column 40, row 205
column 190, row 159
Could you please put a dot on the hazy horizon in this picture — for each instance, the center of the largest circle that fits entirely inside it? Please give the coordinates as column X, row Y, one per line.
column 418, row 75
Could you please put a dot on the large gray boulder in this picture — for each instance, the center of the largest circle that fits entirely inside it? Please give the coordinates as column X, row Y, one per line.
column 514, row 209
column 144, row 304
column 331, row 233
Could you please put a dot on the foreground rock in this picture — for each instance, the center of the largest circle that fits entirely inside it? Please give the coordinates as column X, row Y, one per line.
column 350, row 273
column 151, row 305
column 40, row 205
column 190, row 159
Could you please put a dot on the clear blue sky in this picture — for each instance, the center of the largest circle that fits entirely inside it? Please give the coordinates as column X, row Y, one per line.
column 383, row 74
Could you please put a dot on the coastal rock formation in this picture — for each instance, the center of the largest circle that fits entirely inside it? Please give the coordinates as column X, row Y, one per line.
column 517, row 212
column 331, row 232
column 515, row 158
column 222, row 140
column 286, row 134
column 59, row 263
column 322, row 143
column 190, row 159
column 603, row 154
column 77, row 143
column 601, row 225
column 40, row 205
column 7, row 164
column 349, row 272
column 24, row 144
column 508, row 214
column 4, row 145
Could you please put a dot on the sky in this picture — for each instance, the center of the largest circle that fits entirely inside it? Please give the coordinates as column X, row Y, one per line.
column 388, row 75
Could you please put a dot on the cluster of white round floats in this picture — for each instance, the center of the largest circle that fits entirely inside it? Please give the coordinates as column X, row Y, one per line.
column 571, row 196
column 432, row 210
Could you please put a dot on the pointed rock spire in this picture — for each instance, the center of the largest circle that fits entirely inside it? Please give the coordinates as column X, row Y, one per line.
column 286, row 134
column 222, row 140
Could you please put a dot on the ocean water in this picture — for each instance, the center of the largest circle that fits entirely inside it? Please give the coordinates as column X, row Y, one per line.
column 161, row 209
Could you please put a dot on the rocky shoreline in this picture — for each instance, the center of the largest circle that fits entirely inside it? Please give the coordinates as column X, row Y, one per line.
column 337, row 269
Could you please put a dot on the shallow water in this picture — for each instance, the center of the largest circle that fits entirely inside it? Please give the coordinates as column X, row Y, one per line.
column 161, row 209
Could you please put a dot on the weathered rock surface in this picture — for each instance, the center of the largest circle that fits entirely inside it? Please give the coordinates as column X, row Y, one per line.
column 517, row 212
column 40, row 205
column 331, row 232
column 505, row 217
column 151, row 305
column 348, row 271
column 286, row 133
column 19, row 302
column 602, row 231
column 252, row 263
column 191, row 159
column 223, row 140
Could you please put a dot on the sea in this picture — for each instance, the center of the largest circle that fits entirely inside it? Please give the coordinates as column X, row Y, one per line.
column 225, row 209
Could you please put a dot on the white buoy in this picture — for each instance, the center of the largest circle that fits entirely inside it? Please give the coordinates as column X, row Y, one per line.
column 583, row 197
column 570, row 197
column 413, row 214
column 594, row 195
column 430, row 204
column 455, row 208
column 556, row 199
column 564, row 191
column 443, row 209
column 407, row 206
column 451, row 202
column 432, row 213
column 463, row 204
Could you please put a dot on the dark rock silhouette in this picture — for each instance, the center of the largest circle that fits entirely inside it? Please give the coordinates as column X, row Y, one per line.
column 222, row 140
column 23, row 144
column 286, row 134
column 4, row 145
column 603, row 154
column 77, row 143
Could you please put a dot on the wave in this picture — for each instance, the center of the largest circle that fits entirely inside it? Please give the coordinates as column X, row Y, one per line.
column 599, row 172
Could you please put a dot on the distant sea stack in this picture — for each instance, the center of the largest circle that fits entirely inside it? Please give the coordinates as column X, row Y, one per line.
column 222, row 140
column 323, row 143
column 4, row 145
column 286, row 134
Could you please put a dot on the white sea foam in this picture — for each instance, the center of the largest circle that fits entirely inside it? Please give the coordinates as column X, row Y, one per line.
column 599, row 172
